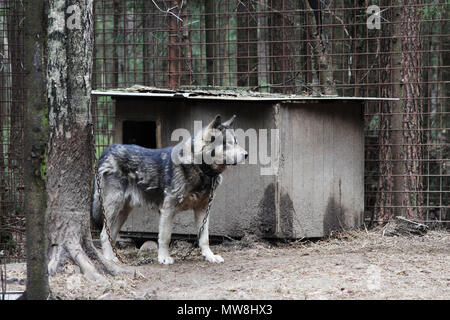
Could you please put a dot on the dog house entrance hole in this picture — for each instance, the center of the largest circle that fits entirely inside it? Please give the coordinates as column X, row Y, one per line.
column 142, row 133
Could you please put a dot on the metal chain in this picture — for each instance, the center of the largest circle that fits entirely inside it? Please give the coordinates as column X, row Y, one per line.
column 214, row 184
column 102, row 208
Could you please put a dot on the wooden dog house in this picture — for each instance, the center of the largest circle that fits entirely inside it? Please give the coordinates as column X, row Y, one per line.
column 318, row 186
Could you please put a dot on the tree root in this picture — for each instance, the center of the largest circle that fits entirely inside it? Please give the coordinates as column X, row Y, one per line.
column 92, row 264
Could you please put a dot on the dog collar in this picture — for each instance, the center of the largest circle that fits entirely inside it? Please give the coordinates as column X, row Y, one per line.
column 208, row 171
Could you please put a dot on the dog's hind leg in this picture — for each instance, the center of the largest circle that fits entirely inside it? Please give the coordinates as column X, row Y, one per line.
column 167, row 213
column 114, row 206
column 203, row 242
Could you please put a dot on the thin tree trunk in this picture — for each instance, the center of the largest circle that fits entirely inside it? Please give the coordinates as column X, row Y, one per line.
column 396, row 122
column 174, row 49
column 149, row 49
column 283, row 50
column 184, row 45
column 70, row 151
column 247, row 37
column 323, row 63
column 384, row 200
column 36, row 137
column 115, row 47
column 210, row 26
column 263, row 37
column 3, row 107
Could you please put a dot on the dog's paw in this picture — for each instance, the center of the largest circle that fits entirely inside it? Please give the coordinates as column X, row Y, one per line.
column 165, row 260
column 111, row 257
column 215, row 258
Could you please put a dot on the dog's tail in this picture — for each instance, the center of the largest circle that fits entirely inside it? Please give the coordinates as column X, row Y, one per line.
column 96, row 215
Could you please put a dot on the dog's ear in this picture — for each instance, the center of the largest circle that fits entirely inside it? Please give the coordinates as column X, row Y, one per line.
column 215, row 123
column 230, row 122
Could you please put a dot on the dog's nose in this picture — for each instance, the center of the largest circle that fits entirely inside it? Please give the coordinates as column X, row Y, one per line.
column 246, row 155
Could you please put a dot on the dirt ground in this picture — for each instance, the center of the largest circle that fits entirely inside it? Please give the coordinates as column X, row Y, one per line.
column 350, row 265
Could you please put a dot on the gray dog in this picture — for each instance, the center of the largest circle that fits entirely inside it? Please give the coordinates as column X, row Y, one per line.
column 172, row 179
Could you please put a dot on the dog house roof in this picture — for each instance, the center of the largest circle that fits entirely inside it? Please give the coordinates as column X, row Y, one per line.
column 236, row 95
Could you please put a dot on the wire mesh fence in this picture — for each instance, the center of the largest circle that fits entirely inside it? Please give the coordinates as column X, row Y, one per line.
column 287, row 47
column 308, row 48
column 12, row 220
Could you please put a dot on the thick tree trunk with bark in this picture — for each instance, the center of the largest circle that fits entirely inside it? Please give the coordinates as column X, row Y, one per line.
column 412, row 108
column 384, row 201
column 401, row 123
column 396, row 119
column 70, row 151
column 36, row 137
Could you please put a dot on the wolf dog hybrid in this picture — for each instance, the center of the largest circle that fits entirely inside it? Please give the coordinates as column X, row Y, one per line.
column 171, row 180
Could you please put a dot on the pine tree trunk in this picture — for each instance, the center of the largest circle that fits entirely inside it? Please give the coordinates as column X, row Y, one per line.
column 412, row 108
column 70, row 152
column 396, row 140
column 383, row 207
column 406, row 123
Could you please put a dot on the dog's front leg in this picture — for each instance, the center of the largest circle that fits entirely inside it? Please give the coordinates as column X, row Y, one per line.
column 164, row 235
column 203, row 242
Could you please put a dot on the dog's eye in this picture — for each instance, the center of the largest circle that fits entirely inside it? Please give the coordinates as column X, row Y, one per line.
column 213, row 139
column 213, row 153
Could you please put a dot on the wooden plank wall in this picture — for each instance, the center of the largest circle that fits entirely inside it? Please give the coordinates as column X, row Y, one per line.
column 323, row 167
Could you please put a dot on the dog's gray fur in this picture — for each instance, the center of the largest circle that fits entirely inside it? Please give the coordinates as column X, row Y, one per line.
column 132, row 176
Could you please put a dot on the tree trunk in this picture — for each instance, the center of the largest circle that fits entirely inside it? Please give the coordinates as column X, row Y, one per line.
column 323, row 61
column 3, row 112
column 148, row 48
column 210, row 30
column 70, row 151
column 262, row 47
column 115, row 47
column 247, row 45
column 405, row 137
column 412, row 108
column 384, row 211
column 396, row 119
column 174, row 48
column 383, row 208
column 34, row 152
column 283, row 48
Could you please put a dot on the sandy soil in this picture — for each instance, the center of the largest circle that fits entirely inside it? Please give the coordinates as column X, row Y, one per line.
column 351, row 265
